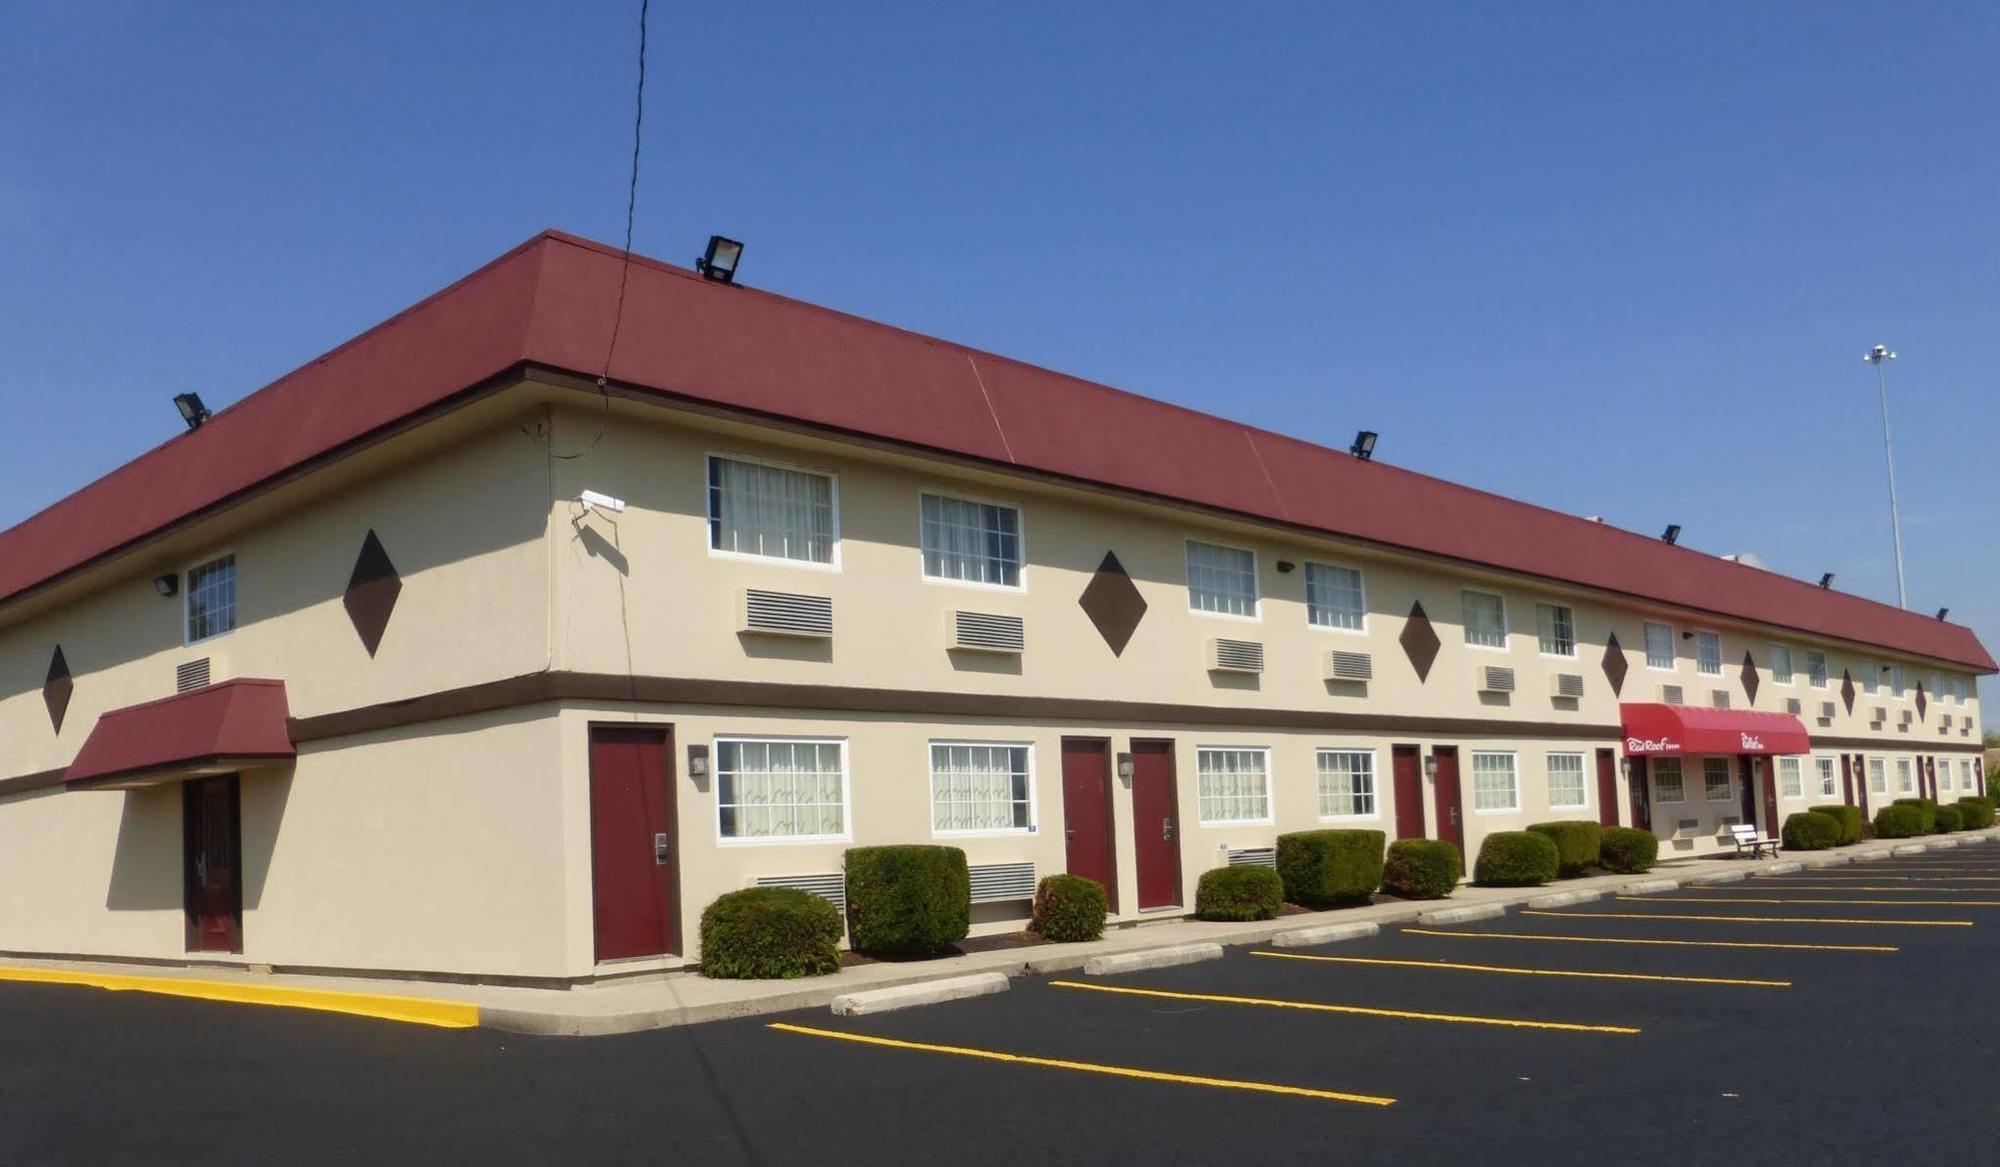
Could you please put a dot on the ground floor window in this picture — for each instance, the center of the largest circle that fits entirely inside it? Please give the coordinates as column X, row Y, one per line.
column 781, row 788
column 1233, row 786
column 1667, row 780
column 1944, row 777
column 1566, row 789
column 1346, row 783
column 1493, row 782
column 1904, row 783
column 1826, row 787
column 1878, row 780
column 1789, row 783
column 978, row 786
column 1715, row 780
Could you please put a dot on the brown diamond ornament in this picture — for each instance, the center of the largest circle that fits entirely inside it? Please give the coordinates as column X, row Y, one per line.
column 371, row 593
column 1113, row 603
column 1750, row 677
column 1923, row 702
column 57, row 689
column 1847, row 688
column 1614, row 664
column 1420, row 641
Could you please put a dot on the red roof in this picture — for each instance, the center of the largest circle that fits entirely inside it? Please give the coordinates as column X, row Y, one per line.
column 1676, row 730
column 550, row 302
column 174, row 737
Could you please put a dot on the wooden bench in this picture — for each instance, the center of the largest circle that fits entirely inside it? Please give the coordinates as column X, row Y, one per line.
column 1746, row 837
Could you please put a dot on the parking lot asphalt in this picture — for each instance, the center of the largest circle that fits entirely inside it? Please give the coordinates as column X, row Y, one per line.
column 1710, row 1024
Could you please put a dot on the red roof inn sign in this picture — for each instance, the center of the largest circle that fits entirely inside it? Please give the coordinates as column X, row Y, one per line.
column 1675, row 730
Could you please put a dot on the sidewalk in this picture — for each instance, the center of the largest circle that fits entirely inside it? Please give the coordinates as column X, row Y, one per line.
column 668, row 999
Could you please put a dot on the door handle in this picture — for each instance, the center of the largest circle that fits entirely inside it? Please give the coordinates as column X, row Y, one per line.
column 1069, row 832
column 660, row 849
column 1454, row 816
column 1167, row 830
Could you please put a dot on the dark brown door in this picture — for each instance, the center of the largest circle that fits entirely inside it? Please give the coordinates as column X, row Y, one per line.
column 1641, row 795
column 1409, row 778
column 1767, row 769
column 1861, row 783
column 1847, row 779
column 1746, row 773
column 211, row 835
column 1156, row 825
column 1087, row 837
column 633, row 876
column 1930, row 776
column 1451, row 825
column 1607, row 788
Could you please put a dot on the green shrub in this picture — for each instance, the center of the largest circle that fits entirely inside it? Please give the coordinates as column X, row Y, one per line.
column 1849, row 819
column 1577, row 843
column 1326, row 868
column 1949, row 819
column 1069, row 907
column 1422, row 869
column 1977, row 812
column 911, row 900
column 1898, row 821
column 769, row 933
column 1925, row 807
column 1809, row 830
column 1516, row 859
column 1628, row 851
column 1239, row 893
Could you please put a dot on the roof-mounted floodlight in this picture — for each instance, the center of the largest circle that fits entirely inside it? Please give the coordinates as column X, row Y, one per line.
column 1364, row 445
column 719, row 262
column 1672, row 534
column 193, row 412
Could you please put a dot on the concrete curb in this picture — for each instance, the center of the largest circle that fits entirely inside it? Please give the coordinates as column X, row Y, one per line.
column 1944, row 843
column 1788, row 867
column 1871, row 856
column 1563, row 899
column 1463, row 915
column 1312, row 937
column 928, row 993
column 1149, row 958
column 1715, row 877
column 1909, row 849
column 1646, row 887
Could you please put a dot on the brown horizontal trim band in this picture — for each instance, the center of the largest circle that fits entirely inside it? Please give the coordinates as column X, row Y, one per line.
column 165, row 771
column 535, row 688
column 25, row 783
column 1899, row 745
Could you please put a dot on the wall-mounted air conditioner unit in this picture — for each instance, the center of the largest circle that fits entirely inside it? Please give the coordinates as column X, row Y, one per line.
column 1566, row 686
column 1672, row 695
column 1235, row 656
column 1349, row 666
column 1493, row 678
column 986, row 632
column 786, row 614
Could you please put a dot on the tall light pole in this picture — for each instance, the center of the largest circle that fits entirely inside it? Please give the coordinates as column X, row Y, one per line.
column 1876, row 356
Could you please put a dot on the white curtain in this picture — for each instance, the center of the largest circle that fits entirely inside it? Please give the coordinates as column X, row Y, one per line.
column 1233, row 785
column 780, row 789
column 769, row 510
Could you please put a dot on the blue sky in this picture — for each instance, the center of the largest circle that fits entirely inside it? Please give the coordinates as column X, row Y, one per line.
column 1612, row 261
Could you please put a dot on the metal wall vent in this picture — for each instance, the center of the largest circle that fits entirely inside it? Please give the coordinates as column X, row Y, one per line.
column 1672, row 695
column 1566, row 685
column 1350, row 666
column 1794, row 706
column 1494, row 679
column 1254, row 857
column 1908, row 717
column 787, row 613
column 1235, row 656
column 831, row 886
column 1881, row 715
column 193, row 674
column 987, row 632
column 1719, row 698
column 1826, row 710
column 1946, row 721
column 995, row 882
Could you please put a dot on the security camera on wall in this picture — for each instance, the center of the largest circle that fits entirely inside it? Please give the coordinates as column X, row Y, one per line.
column 593, row 501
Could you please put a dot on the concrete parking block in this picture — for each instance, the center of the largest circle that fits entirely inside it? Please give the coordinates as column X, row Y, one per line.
column 1148, row 958
column 1871, row 856
column 1463, row 914
column 927, row 993
column 1715, row 877
column 1563, row 899
column 1310, row 937
column 1644, row 887
column 1787, row 867
column 1909, row 849
column 1947, row 841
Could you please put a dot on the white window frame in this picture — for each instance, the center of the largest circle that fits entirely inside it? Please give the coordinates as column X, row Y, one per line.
column 1582, row 779
column 1270, row 787
column 1374, row 810
column 1899, row 681
column 709, row 517
column 846, row 791
column 1817, row 677
column 1906, row 776
column 1465, row 627
column 1514, row 774
column 1728, row 777
column 930, row 762
column 1020, row 542
column 1646, row 639
column 1790, row 675
column 1829, row 777
column 1256, row 615
column 1362, row 585
column 235, row 600
column 1719, row 665
column 1878, row 775
column 1569, row 611
column 1797, row 779
column 1680, row 782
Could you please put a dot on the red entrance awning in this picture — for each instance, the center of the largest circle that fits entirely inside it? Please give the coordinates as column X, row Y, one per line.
column 219, row 729
column 1673, row 730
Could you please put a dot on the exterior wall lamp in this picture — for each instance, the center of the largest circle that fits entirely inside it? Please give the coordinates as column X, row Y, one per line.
column 168, row 585
column 1430, row 766
column 1125, row 767
column 698, row 764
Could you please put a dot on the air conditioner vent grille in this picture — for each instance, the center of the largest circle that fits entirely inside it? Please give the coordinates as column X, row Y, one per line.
column 1672, row 695
column 1719, row 698
column 1236, row 656
column 998, row 882
column 1568, row 685
column 1794, row 706
column 1254, row 857
column 787, row 613
column 191, row 675
column 988, row 632
column 1495, row 679
column 1350, row 666
column 831, row 886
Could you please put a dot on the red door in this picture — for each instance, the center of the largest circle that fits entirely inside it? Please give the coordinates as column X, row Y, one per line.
column 633, row 877
column 1409, row 775
column 1768, row 769
column 1930, row 776
column 1847, row 779
column 1086, row 772
column 1607, row 789
column 1861, row 783
column 211, row 838
column 1641, row 793
column 1451, row 826
column 1156, row 826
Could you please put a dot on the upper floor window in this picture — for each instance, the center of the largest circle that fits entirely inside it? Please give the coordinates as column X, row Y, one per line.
column 1659, row 646
column 1781, row 664
column 972, row 542
column 1221, row 579
column 1708, row 654
column 756, row 508
column 1333, row 597
column 1233, row 786
column 1555, row 629
column 1485, row 619
column 1816, row 669
column 977, row 786
column 211, row 599
column 1871, row 677
column 1897, row 680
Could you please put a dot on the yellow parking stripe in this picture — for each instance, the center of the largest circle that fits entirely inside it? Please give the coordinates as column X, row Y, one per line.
column 1408, row 931
column 1895, row 874
column 1754, row 919
column 1356, row 1010
column 1853, row 887
column 1088, row 1067
column 414, row 1010
column 1809, row 900
column 1532, row 972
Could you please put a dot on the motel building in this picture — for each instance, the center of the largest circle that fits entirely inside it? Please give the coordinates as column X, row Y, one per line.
column 440, row 656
